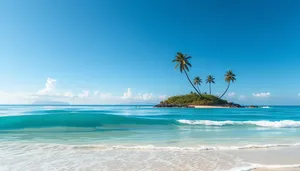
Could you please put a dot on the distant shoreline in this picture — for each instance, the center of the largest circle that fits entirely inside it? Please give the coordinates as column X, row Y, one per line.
column 205, row 106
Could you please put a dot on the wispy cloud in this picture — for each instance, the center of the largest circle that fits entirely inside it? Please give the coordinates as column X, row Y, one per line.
column 51, row 93
column 261, row 94
column 16, row 97
column 96, row 93
column 69, row 94
column 83, row 94
column 242, row 97
column 162, row 97
column 231, row 94
column 105, row 95
column 146, row 96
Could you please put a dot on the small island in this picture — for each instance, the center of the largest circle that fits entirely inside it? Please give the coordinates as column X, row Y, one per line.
column 192, row 100
column 197, row 99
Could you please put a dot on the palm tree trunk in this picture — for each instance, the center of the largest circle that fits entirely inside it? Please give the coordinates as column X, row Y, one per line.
column 198, row 88
column 210, row 88
column 192, row 83
column 225, row 90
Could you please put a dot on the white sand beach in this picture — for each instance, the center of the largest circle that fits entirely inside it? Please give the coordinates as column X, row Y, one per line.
column 272, row 159
column 207, row 106
column 289, row 169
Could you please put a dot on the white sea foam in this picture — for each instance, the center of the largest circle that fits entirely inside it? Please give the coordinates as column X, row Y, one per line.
column 262, row 166
column 166, row 148
column 31, row 156
column 146, row 147
column 205, row 148
column 48, row 156
column 261, row 123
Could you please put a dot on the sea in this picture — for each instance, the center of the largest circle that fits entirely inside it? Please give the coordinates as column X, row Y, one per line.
column 142, row 138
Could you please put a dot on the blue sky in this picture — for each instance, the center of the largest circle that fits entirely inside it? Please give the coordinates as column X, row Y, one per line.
column 109, row 46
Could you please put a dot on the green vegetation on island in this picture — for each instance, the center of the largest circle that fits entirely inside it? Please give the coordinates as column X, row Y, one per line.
column 198, row 98
column 194, row 99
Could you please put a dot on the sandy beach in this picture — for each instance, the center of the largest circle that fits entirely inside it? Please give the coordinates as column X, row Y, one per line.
column 289, row 169
column 207, row 106
column 272, row 159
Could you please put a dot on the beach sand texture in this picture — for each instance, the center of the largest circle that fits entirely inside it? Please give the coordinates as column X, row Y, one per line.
column 289, row 169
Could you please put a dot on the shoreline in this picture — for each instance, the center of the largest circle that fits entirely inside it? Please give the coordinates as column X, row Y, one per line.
column 206, row 106
column 68, row 156
column 203, row 106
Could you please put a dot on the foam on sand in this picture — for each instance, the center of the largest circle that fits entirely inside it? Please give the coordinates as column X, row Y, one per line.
column 262, row 167
column 95, row 157
column 169, row 148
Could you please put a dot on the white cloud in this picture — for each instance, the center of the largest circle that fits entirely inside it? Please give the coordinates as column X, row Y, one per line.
column 146, row 96
column 16, row 98
column 106, row 95
column 231, row 94
column 162, row 97
column 50, row 93
column 85, row 93
column 242, row 97
column 49, row 87
column 49, row 90
column 128, row 94
column 298, row 94
column 69, row 94
column 96, row 93
column 261, row 94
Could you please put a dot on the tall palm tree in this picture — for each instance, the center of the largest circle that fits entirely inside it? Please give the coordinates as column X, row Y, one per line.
column 183, row 63
column 210, row 79
column 229, row 77
column 197, row 82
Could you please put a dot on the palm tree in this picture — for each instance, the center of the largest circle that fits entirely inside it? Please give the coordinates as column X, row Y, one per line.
column 229, row 77
column 197, row 82
column 210, row 79
column 183, row 63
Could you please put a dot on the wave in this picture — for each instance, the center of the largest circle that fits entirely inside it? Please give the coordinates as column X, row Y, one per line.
column 78, row 119
column 153, row 147
column 262, row 123
column 101, row 118
column 207, row 148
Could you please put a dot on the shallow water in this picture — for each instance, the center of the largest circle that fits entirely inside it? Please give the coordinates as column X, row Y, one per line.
column 115, row 137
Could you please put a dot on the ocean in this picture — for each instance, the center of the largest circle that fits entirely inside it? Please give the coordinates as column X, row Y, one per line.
column 140, row 137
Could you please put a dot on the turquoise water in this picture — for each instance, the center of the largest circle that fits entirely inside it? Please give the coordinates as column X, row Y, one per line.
column 24, row 129
column 136, row 125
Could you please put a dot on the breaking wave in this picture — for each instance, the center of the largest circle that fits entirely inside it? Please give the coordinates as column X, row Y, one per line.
column 263, row 123
column 99, row 119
